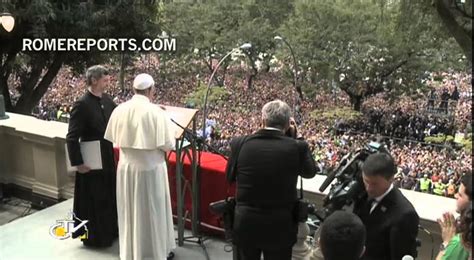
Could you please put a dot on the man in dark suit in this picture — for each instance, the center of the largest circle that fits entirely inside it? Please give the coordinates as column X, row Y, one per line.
column 94, row 190
column 266, row 170
column 390, row 219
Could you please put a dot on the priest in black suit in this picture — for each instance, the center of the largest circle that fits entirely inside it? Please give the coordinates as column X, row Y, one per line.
column 94, row 191
column 390, row 219
column 266, row 170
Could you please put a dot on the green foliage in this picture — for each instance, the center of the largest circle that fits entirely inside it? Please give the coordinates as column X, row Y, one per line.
column 217, row 96
column 365, row 46
column 464, row 142
column 467, row 144
column 308, row 89
column 65, row 19
column 344, row 113
column 206, row 31
column 439, row 139
column 203, row 30
column 369, row 47
column 259, row 22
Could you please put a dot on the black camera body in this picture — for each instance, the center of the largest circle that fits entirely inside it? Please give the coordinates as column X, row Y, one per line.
column 349, row 186
column 226, row 209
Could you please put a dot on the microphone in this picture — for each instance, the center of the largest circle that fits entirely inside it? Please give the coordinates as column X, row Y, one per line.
column 408, row 257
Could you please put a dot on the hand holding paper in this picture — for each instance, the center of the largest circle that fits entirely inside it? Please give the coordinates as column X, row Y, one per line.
column 83, row 168
column 91, row 156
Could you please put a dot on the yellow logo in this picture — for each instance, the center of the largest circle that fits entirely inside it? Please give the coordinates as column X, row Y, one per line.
column 64, row 228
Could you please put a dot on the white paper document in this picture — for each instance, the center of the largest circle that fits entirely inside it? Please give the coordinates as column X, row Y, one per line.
column 173, row 115
column 91, row 156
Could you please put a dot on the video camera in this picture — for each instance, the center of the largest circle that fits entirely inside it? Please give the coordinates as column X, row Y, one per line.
column 349, row 186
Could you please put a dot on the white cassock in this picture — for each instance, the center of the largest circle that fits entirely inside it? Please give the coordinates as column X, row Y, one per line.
column 143, row 132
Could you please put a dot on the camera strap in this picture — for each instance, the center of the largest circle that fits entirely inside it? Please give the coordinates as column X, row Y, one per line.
column 232, row 171
column 238, row 147
column 301, row 187
column 302, row 155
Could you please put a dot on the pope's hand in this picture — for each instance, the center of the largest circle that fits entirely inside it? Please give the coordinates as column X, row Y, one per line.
column 83, row 168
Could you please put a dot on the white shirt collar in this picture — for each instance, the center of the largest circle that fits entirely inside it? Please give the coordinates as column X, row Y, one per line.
column 90, row 91
column 272, row 128
column 380, row 198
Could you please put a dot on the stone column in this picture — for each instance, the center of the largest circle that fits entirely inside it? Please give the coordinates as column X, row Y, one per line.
column 301, row 250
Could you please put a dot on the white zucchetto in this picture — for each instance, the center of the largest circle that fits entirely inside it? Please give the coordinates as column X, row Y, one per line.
column 143, row 81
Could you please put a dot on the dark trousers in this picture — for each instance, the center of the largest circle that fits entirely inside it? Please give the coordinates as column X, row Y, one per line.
column 253, row 253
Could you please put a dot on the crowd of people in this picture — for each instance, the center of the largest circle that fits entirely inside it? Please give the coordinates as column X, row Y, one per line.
column 415, row 158
column 239, row 114
column 445, row 110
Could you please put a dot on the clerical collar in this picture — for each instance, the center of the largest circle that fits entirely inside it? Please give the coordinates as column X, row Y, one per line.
column 90, row 92
column 273, row 129
column 380, row 198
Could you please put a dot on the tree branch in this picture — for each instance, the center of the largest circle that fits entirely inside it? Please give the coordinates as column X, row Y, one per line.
column 392, row 70
column 28, row 100
column 448, row 15
column 209, row 62
column 7, row 65
column 4, row 91
column 48, row 78
column 33, row 77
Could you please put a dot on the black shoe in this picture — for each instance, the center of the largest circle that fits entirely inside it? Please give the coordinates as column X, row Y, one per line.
column 97, row 245
column 170, row 256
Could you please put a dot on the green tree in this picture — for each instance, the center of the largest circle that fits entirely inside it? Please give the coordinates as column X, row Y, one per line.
column 63, row 19
column 259, row 22
column 209, row 30
column 205, row 31
column 457, row 17
column 367, row 47
column 217, row 96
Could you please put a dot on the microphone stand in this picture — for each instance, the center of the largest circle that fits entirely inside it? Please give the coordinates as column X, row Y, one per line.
column 199, row 140
column 200, row 143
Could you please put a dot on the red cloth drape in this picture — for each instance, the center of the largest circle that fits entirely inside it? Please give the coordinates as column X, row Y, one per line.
column 214, row 187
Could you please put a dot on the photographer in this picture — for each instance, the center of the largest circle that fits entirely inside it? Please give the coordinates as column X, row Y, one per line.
column 266, row 166
column 389, row 218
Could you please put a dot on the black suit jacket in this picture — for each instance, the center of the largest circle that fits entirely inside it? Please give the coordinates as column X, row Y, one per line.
column 89, row 117
column 392, row 227
column 266, row 172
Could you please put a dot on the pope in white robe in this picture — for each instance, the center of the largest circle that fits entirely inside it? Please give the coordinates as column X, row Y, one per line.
column 143, row 133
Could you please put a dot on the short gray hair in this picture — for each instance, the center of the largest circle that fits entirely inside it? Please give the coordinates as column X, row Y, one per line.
column 95, row 72
column 276, row 114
